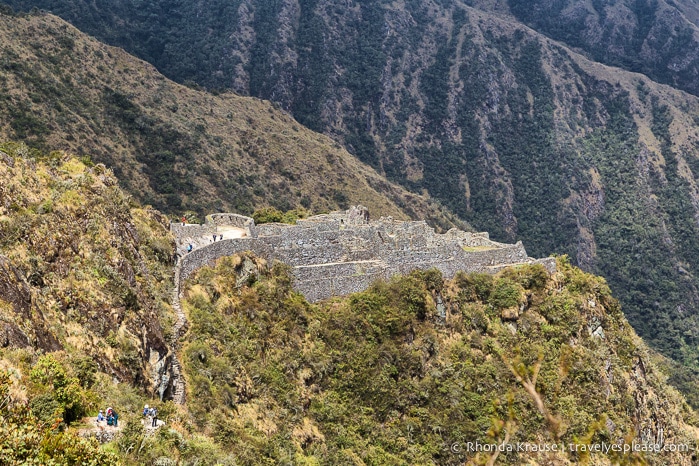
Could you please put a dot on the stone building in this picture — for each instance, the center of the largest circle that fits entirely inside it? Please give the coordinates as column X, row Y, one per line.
column 344, row 252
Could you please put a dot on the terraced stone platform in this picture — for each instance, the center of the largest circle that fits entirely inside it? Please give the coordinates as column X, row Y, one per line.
column 344, row 252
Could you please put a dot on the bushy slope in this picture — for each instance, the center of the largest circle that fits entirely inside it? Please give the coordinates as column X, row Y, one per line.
column 173, row 147
column 27, row 440
column 82, row 269
column 406, row 372
column 655, row 37
column 401, row 373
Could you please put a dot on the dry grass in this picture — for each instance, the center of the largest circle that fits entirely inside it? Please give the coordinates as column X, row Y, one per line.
column 245, row 152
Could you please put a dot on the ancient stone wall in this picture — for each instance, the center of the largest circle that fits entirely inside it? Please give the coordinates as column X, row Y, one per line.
column 208, row 255
column 192, row 230
column 271, row 229
column 342, row 252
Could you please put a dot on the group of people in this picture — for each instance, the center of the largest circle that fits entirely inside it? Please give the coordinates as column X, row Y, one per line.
column 111, row 417
column 190, row 247
column 152, row 413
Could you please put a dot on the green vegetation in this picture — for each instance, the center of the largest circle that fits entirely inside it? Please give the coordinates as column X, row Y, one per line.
column 157, row 144
column 176, row 148
column 638, row 35
column 387, row 376
column 83, row 269
column 510, row 132
column 270, row 215
column 380, row 378
column 29, row 440
column 42, row 394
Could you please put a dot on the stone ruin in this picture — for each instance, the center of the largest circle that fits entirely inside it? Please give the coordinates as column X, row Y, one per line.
column 344, row 252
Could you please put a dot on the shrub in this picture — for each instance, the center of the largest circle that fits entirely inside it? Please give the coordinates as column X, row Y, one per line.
column 506, row 293
column 530, row 277
column 475, row 286
column 272, row 215
column 432, row 278
column 57, row 390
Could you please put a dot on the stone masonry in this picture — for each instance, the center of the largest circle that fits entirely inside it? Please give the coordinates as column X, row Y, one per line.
column 344, row 252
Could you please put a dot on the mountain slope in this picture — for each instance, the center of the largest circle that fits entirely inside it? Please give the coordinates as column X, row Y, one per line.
column 407, row 372
column 411, row 370
column 173, row 147
column 81, row 269
column 510, row 130
column 656, row 37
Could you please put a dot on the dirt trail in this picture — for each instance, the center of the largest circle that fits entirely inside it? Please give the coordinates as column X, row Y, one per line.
column 104, row 433
column 231, row 232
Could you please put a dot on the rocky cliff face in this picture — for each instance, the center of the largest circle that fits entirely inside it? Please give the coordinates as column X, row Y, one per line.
column 80, row 269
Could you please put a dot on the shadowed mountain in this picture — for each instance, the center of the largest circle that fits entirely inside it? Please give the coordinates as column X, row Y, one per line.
column 174, row 147
column 510, row 130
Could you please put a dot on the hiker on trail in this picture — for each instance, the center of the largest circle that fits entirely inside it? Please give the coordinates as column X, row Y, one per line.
column 220, row 237
column 112, row 417
column 214, row 238
column 100, row 416
column 189, row 248
column 184, row 220
column 145, row 411
column 154, row 413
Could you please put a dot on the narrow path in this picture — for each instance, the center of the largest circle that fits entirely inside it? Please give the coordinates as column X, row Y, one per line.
column 199, row 241
column 179, row 329
column 181, row 325
column 90, row 428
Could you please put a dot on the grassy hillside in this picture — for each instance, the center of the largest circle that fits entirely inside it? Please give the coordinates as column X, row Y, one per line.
column 85, row 280
column 402, row 372
column 407, row 372
column 82, row 268
column 173, row 147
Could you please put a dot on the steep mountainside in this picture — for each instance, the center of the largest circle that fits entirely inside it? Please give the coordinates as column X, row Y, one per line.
column 173, row 147
column 82, row 269
column 407, row 372
column 411, row 370
column 511, row 131
column 656, row 37
column 213, row 42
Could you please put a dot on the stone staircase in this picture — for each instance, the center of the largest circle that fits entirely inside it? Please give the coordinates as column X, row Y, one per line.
column 180, row 327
